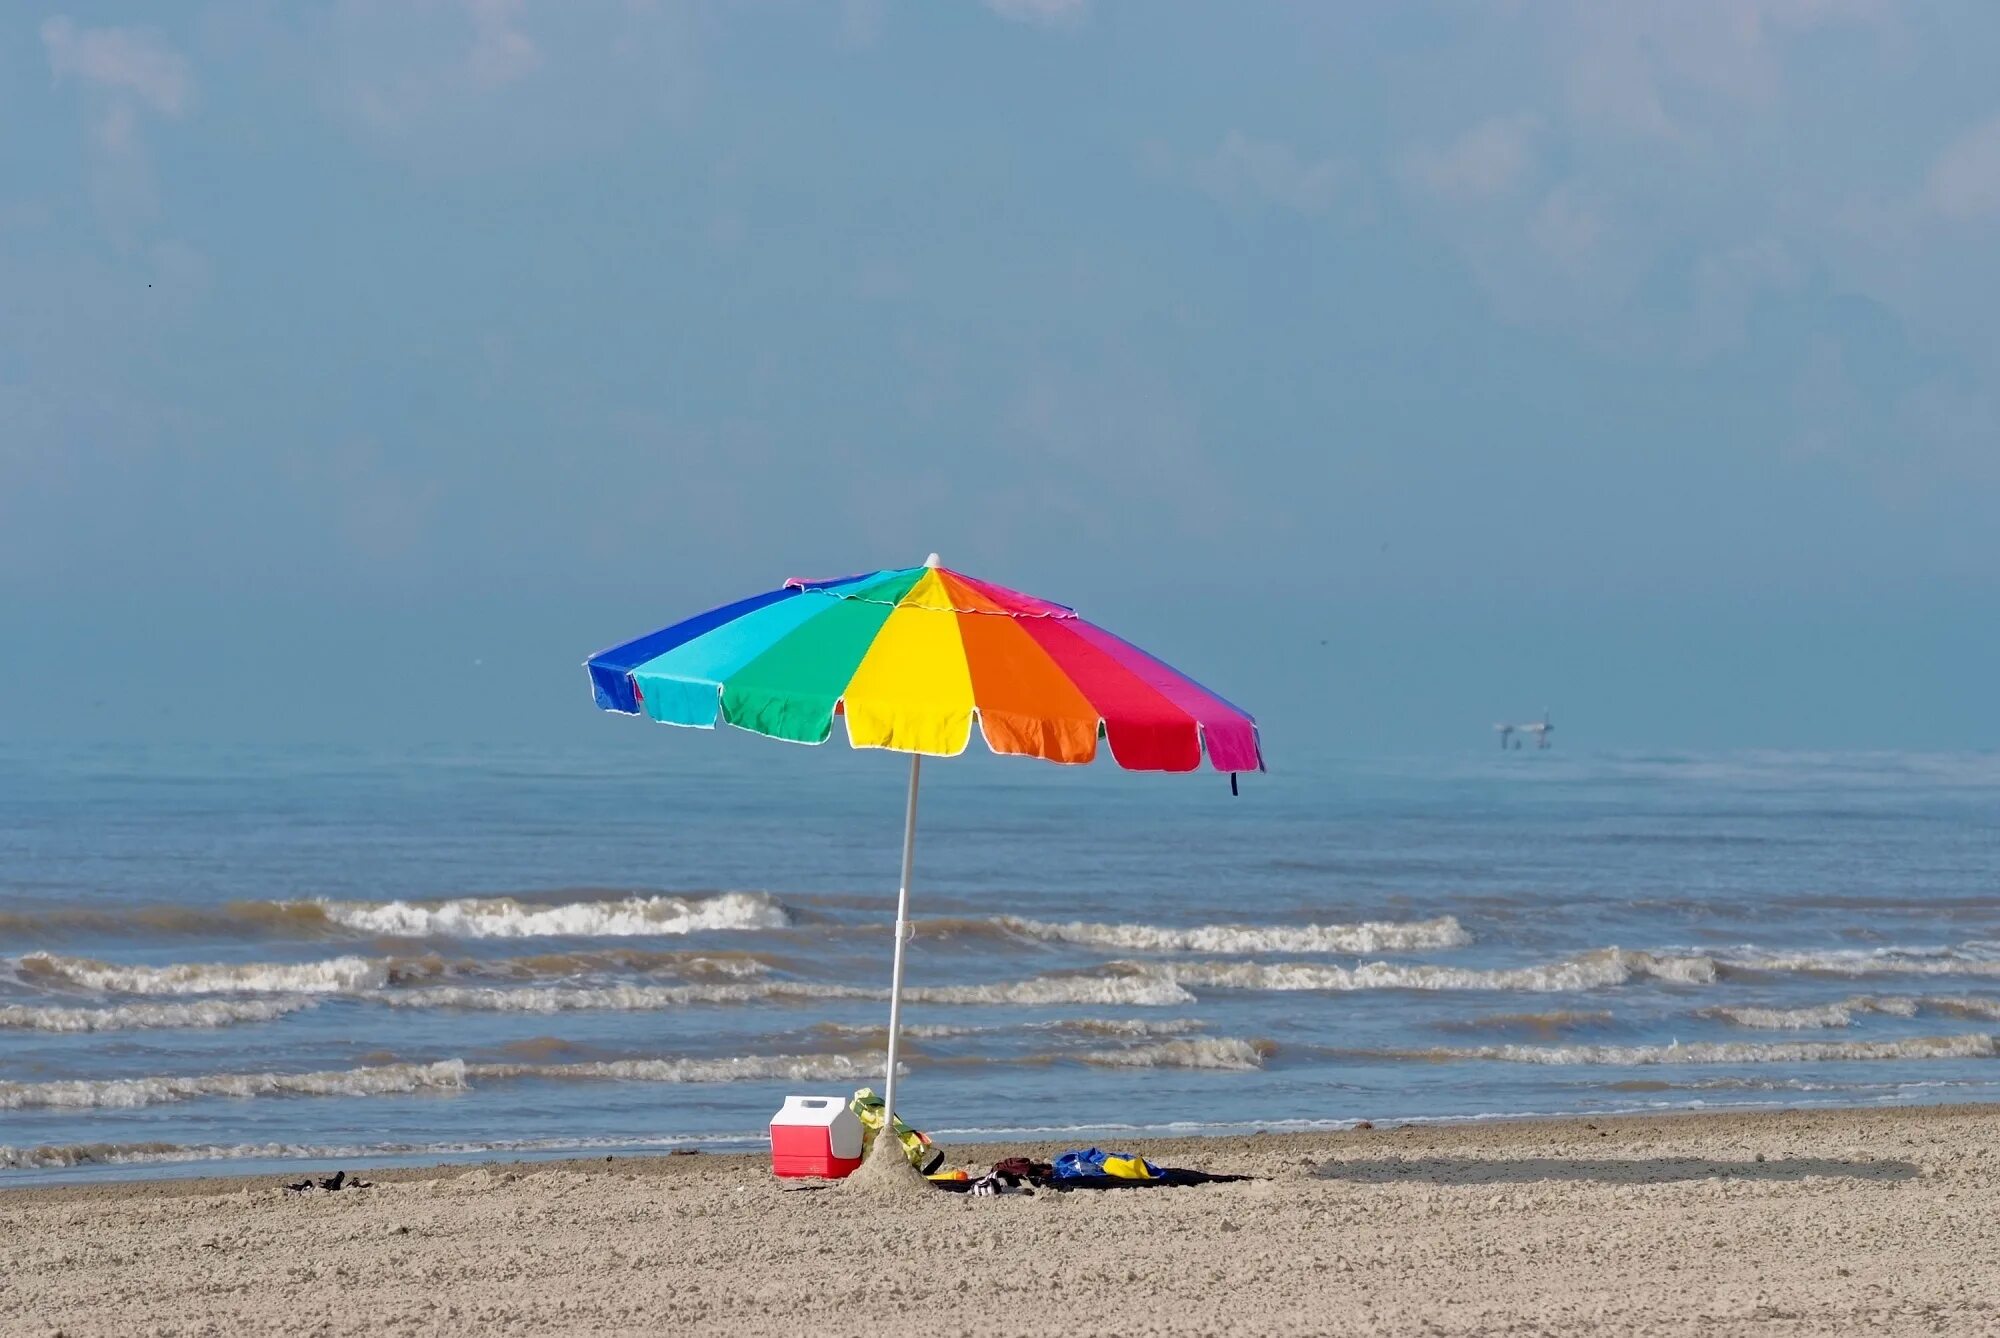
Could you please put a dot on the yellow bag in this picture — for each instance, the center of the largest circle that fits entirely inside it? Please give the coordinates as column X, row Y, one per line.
column 867, row 1108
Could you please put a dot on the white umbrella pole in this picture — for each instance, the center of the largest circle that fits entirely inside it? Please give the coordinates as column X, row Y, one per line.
column 902, row 939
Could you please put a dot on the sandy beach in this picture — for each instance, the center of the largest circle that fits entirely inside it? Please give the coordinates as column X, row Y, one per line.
column 1785, row 1223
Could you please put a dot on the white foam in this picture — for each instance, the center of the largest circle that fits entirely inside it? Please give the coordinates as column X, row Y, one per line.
column 1593, row 970
column 50, row 1156
column 1128, row 989
column 380, row 1080
column 589, row 962
column 741, row 1068
column 877, row 1034
column 910, row 1031
column 1080, row 1026
column 1367, row 936
column 1973, row 1046
column 734, row 968
column 506, row 917
column 123, row 1017
column 1891, row 961
column 1680, row 968
column 1135, row 989
column 336, row 975
column 1202, row 1052
column 1109, row 1026
column 612, row 998
column 1814, row 1017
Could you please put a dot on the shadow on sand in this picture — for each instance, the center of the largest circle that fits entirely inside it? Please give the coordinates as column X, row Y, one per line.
column 1603, row 1170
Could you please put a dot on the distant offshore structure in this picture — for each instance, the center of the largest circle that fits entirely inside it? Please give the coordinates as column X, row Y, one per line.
column 1509, row 734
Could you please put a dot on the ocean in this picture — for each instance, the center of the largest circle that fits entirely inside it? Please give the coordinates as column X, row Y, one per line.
column 262, row 959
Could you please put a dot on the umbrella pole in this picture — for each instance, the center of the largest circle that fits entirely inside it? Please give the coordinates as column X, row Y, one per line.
column 902, row 938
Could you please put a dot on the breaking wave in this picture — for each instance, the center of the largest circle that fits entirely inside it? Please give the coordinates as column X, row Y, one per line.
column 379, row 1080
column 1974, row 1046
column 1592, row 970
column 130, row 1017
column 1867, row 962
column 595, row 961
column 353, row 975
column 1129, row 989
column 611, row 998
column 1202, row 1052
column 1368, row 936
column 1089, row 1027
column 744, row 1068
column 50, row 1156
column 1118, row 1026
column 878, row 1035
column 400, row 1078
column 1815, row 1017
column 1987, row 1009
column 456, row 917
column 338, row 975
column 508, row 917
column 1844, row 1012
column 1138, row 989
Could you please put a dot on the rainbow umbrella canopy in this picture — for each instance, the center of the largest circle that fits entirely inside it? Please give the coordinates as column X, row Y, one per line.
column 913, row 659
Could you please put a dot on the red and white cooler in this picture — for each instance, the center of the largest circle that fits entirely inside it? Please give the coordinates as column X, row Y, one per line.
column 817, row 1136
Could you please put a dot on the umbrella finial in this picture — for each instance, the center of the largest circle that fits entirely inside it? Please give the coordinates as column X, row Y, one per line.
column 932, row 561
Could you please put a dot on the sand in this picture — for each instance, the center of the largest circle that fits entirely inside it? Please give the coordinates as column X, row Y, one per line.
column 1816, row 1222
column 885, row 1172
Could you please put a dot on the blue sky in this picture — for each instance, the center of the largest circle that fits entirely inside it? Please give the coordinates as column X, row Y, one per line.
column 1394, row 368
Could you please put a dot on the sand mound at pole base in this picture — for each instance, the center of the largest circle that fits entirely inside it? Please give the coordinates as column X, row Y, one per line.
column 887, row 1173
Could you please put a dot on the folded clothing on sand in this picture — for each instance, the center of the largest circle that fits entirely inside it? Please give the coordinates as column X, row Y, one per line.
column 1023, row 1169
column 984, row 1186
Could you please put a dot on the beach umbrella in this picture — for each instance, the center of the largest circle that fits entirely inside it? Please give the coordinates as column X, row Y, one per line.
column 913, row 659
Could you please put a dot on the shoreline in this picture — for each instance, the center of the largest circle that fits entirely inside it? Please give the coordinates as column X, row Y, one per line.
column 1798, row 1221
column 141, row 1179
column 101, row 1179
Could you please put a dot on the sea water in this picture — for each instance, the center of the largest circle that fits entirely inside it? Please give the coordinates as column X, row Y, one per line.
column 221, row 958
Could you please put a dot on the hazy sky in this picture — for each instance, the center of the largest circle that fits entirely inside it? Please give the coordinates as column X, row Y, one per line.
column 1393, row 368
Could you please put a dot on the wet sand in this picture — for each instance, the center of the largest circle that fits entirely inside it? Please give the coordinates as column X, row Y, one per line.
column 1812, row 1222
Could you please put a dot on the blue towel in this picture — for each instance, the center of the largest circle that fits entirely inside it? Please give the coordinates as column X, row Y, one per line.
column 1090, row 1161
column 1085, row 1163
